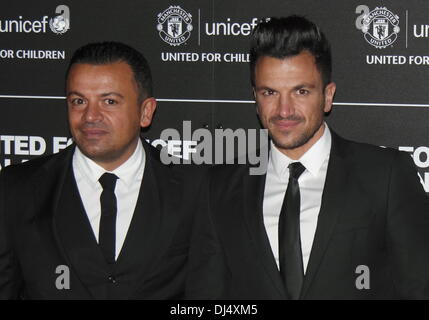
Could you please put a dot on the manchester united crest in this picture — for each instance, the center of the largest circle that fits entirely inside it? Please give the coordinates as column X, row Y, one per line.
column 380, row 27
column 174, row 25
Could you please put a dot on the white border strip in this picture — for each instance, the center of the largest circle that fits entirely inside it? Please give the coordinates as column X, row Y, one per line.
column 206, row 101
column 238, row 101
column 381, row 104
column 32, row 97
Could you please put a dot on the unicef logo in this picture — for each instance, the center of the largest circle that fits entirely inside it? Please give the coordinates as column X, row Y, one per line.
column 60, row 24
column 379, row 26
column 174, row 25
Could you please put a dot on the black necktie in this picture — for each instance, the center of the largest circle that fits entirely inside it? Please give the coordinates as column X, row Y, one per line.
column 107, row 232
column 290, row 255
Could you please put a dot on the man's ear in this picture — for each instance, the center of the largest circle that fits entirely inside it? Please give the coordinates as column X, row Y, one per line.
column 254, row 97
column 329, row 96
column 148, row 107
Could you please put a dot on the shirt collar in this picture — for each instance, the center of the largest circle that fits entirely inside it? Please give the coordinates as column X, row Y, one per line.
column 128, row 172
column 312, row 160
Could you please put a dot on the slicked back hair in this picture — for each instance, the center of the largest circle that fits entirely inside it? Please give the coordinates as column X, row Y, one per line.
column 102, row 53
column 287, row 37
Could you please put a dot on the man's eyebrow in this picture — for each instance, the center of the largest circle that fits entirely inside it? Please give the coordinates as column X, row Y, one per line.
column 264, row 88
column 76, row 93
column 102, row 95
column 304, row 85
column 297, row 87
column 112, row 94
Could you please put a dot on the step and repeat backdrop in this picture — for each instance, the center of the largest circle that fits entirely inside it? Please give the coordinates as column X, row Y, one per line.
column 198, row 52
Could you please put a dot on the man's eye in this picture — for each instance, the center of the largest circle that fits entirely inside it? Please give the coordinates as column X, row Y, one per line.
column 78, row 101
column 303, row 92
column 268, row 92
column 110, row 101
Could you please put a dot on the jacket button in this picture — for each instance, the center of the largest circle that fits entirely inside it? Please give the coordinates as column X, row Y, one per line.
column 112, row 279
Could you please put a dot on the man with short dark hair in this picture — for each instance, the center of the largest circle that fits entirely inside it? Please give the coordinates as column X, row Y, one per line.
column 104, row 218
column 331, row 218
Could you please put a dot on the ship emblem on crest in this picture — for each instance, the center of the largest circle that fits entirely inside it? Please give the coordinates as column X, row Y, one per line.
column 174, row 25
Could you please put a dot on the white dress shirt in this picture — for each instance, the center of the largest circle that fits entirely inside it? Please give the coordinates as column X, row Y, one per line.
column 130, row 175
column 311, row 183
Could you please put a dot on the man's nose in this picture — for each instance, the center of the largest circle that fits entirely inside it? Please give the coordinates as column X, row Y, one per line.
column 93, row 112
column 286, row 105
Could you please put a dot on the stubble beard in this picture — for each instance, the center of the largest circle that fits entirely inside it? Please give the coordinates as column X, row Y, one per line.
column 298, row 141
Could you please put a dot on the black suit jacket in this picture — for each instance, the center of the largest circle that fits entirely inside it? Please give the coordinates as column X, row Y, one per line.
column 43, row 225
column 374, row 213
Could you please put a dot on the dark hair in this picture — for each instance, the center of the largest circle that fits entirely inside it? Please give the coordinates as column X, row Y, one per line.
column 289, row 36
column 110, row 52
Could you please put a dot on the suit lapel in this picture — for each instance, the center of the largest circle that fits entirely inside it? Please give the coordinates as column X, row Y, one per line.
column 49, row 182
column 253, row 195
column 78, row 240
column 155, row 218
column 332, row 205
column 49, row 187
column 144, row 226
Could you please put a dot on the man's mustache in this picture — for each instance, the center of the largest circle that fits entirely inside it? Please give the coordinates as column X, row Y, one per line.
column 292, row 117
column 92, row 125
